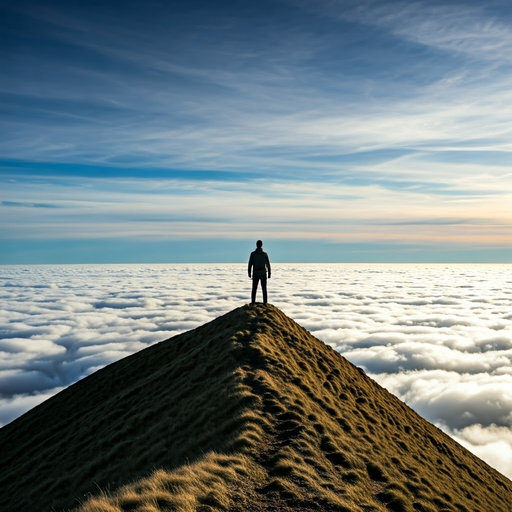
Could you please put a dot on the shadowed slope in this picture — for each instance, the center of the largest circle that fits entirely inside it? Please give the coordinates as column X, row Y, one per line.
column 161, row 407
column 249, row 412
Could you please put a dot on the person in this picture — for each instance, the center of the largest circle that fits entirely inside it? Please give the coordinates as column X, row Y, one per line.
column 259, row 264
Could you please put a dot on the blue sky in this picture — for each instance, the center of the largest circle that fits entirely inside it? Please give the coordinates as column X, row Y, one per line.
column 183, row 131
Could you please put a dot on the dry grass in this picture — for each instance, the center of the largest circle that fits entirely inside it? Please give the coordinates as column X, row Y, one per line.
column 249, row 412
column 204, row 485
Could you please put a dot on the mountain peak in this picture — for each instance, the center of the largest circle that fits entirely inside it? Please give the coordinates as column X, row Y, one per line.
column 247, row 412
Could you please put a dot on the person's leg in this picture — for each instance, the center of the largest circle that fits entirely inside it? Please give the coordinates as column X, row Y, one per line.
column 264, row 289
column 254, row 288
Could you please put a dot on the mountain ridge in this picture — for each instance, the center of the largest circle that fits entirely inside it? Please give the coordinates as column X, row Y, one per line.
column 247, row 412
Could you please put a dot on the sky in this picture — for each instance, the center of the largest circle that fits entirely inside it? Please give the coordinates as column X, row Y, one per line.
column 182, row 131
column 437, row 336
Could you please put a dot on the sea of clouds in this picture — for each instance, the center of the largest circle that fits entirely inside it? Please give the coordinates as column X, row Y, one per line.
column 437, row 336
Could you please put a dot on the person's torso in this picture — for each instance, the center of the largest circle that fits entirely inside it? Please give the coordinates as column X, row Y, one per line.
column 259, row 261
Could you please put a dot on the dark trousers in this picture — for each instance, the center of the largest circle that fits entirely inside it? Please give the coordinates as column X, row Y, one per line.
column 255, row 280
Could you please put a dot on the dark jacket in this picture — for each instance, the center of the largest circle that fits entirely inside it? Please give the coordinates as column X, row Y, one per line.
column 260, row 263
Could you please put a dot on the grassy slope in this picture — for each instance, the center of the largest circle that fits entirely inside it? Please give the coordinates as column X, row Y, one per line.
column 267, row 417
column 161, row 407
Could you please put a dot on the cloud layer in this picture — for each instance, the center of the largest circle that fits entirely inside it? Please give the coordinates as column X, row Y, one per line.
column 439, row 337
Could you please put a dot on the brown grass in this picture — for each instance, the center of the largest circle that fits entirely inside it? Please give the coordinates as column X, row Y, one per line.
column 249, row 412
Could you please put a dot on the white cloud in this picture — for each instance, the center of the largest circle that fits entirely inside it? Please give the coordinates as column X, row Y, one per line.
column 437, row 336
column 16, row 405
column 492, row 444
column 455, row 399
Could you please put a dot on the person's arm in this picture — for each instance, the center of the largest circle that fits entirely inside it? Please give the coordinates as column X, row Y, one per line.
column 250, row 265
column 268, row 266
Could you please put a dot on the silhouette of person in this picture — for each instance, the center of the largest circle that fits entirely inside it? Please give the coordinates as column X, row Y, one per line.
column 259, row 263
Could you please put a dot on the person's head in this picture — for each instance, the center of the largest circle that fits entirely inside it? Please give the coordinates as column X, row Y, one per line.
column 259, row 244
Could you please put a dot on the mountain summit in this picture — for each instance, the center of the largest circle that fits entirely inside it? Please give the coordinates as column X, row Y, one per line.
column 248, row 412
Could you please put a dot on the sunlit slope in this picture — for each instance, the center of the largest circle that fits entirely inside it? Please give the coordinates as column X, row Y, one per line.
column 249, row 412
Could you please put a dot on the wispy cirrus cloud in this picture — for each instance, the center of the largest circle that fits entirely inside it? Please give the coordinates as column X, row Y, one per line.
column 242, row 102
column 331, row 115
column 28, row 205
column 471, row 28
